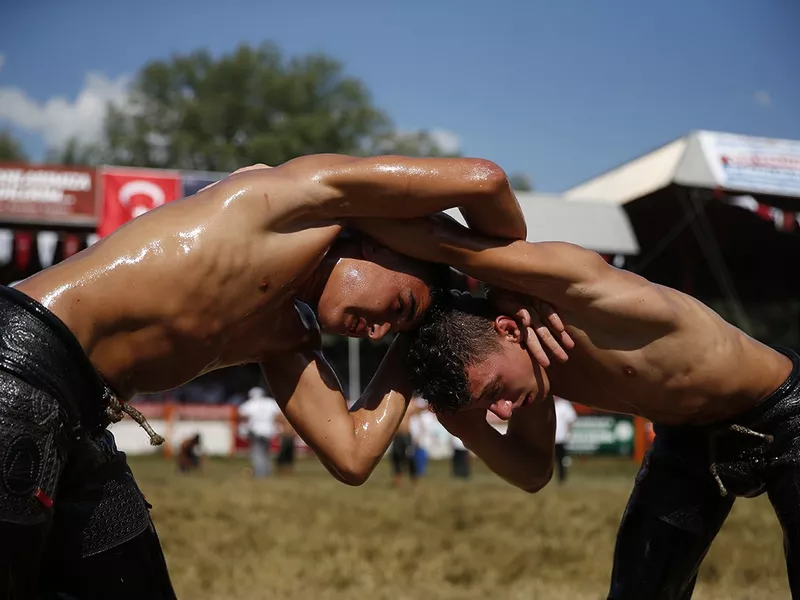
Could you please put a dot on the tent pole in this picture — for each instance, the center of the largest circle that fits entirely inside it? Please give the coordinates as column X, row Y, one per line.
column 705, row 237
column 354, row 365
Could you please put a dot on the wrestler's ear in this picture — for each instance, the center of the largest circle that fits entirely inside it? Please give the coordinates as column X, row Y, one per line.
column 508, row 329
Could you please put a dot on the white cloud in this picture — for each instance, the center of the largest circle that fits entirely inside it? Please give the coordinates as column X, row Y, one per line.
column 2, row 62
column 763, row 98
column 58, row 119
column 448, row 141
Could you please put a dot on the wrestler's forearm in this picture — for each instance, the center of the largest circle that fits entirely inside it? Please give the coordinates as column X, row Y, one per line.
column 512, row 459
column 348, row 443
column 440, row 239
column 380, row 409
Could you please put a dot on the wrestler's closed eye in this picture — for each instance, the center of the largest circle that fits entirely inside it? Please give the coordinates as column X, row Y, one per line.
column 406, row 309
column 490, row 392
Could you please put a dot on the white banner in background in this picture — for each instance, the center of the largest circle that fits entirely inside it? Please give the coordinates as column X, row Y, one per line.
column 753, row 164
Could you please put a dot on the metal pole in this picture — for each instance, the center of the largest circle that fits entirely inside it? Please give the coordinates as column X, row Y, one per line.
column 704, row 234
column 354, row 361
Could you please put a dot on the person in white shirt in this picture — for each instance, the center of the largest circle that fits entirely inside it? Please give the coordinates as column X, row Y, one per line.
column 565, row 417
column 260, row 414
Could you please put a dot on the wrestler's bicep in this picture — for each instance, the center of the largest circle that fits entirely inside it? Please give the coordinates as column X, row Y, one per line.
column 396, row 187
column 310, row 396
column 300, row 380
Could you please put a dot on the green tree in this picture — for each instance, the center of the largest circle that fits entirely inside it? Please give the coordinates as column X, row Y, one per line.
column 252, row 105
column 415, row 143
column 520, row 182
column 10, row 148
column 73, row 152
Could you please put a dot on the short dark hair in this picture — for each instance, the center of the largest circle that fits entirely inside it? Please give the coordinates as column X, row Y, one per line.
column 456, row 332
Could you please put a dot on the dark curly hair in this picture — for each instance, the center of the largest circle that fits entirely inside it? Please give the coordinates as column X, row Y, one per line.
column 457, row 332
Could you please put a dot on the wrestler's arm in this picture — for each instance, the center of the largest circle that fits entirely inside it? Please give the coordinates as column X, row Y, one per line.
column 348, row 442
column 556, row 272
column 399, row 187
column 524, row 455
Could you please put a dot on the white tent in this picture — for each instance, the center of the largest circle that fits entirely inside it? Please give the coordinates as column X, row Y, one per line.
column 600, row 227
column 702, row 186
column 702, row 159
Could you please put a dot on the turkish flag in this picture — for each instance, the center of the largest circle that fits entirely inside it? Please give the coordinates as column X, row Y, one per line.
column 129, row 193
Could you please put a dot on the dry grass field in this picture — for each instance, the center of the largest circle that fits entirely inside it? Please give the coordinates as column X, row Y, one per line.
column 308, row 537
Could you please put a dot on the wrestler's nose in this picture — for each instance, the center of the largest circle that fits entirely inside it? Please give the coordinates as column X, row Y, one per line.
column 376, row 332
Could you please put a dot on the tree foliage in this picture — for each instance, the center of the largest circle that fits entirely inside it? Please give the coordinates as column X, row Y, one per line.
column 11, row 148
column 74, row 152
column 520, row 182
column 253, row 105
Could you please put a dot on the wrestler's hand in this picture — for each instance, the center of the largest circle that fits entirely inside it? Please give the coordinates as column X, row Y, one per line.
column 539, row 323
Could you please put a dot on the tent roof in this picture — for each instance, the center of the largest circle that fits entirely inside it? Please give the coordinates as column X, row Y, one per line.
column 596, row 226
column 702, row 159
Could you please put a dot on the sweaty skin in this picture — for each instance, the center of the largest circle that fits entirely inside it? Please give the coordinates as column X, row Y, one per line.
column 640, row 348
column 224, row 278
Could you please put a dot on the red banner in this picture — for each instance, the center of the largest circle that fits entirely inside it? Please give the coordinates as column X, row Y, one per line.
column 23, row 248
column 129, row 193
column 47, row 195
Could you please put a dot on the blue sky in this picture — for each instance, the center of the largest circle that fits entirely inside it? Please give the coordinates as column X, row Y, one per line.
column 559, row 90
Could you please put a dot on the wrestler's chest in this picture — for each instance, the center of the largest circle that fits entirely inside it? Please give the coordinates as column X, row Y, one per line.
column 269, row 330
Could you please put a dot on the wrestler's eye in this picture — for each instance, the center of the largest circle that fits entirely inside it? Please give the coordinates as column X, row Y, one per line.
column 400, row 306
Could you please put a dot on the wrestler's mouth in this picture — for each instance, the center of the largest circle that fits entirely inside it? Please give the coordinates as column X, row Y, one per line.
column 356, row 325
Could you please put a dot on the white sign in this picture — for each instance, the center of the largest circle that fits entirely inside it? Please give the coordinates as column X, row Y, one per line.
column 753, row 164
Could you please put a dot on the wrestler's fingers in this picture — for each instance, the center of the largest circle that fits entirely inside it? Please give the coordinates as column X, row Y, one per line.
column 524, row 317
column 534, row 347
column 547, row 339
column 556, row 325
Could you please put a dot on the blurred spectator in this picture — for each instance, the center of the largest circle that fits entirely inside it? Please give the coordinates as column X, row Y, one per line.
column 286, row 450
column 565, row 417
column 417, row 427
column 461, row 466
column 403, row 451
column 432, row 440
column 189, row 454
column 260, row 414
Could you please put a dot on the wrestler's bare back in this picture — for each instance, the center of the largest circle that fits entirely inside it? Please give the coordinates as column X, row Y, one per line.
column 645, row 349
column 640, row 348
column 195, row 285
